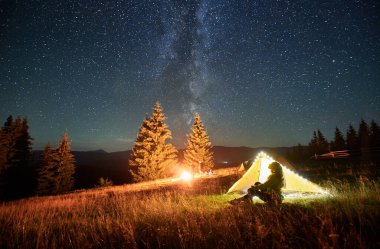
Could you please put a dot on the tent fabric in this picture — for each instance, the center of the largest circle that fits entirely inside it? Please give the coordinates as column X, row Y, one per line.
column 259, row 172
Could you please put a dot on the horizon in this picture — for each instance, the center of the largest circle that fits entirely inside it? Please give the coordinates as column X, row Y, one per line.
column 180, row 149
column 259, row 73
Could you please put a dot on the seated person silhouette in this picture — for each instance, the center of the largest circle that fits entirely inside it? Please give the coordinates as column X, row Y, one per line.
column 269, row 191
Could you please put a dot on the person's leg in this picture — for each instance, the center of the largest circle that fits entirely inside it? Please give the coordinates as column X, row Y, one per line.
column 264, row 196
column 276, row 198
column 244, row 199
column 270, row 197
column 252, row 191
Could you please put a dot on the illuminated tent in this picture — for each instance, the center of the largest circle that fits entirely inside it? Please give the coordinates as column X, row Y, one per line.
column 259, row 172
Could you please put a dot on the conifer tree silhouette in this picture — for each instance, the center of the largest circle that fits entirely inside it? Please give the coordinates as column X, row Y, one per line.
column 198, row 154
column 64, row 167
column 46, row 172
column 152, row 157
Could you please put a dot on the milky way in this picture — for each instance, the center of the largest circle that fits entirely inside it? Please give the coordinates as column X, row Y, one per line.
column 260, row 73
column 182, row 63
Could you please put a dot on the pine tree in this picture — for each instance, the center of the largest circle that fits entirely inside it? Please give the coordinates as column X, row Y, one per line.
column 15, row 152
column 22, row 180
column 45, row 180
column 313, row 144
column 63, row 161
column 198, row 153
column 364, row 142
column 152, row 157
column 375, row 143
column 3, row 150
column 6, row 144
column 15, row 143
column 363, row 135
column 338, row 143
column 23, row 143
column 374, row 136
column 352, row 139
column 323, row 145
column 8, row 124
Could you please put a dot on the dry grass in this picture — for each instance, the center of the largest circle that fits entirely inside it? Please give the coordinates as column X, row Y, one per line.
column 191, row 216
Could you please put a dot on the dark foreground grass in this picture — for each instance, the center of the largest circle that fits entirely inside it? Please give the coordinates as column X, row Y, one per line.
column 192, row 216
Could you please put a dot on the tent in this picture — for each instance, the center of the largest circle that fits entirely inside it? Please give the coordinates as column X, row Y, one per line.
column 259, row 172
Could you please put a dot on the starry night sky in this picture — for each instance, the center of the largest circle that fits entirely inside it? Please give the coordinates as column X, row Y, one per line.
column 260, row 73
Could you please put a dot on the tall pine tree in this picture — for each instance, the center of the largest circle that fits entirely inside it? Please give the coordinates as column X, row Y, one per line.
column 46, row 181
column 152, row 157
column 352, row 139
column 323, row 145
column 7, row 142
column 63, row 161
column 374, row 136
column 198, row 153
column 338, row 143
column 363, row 135
column 15, row 152
column 318, row 144
column 23, row 145
column 5, row 148
column 375, row 143
column 364, row 142
column 313, row 144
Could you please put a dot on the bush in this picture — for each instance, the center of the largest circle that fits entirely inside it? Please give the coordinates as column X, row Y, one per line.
column 104, row 182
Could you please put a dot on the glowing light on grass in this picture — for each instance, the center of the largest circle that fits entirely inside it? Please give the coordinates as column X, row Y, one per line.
column 186, row 176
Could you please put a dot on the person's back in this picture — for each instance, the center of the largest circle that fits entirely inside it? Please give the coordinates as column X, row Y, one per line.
column 275, row 180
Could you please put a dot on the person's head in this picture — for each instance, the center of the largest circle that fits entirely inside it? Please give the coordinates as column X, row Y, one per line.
column 275, row 167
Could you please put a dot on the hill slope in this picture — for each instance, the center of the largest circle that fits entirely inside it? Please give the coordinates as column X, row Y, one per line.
column 191, row 215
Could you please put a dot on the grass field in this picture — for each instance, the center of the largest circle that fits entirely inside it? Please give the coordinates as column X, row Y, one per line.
column 192, row 215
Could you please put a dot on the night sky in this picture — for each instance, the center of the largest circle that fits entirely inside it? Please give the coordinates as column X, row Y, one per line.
column 260, row 73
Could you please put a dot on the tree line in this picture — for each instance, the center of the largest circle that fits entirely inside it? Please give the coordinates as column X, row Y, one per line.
column 152, row 157
column 18, row 178
column 362, row 143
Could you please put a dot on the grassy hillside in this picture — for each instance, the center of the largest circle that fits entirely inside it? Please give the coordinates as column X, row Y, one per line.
column 191, row 215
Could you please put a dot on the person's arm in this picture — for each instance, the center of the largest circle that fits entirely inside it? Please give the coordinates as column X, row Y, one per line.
column 273, row 182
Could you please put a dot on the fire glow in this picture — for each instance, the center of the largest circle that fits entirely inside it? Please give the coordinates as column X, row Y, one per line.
column 186, row 176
